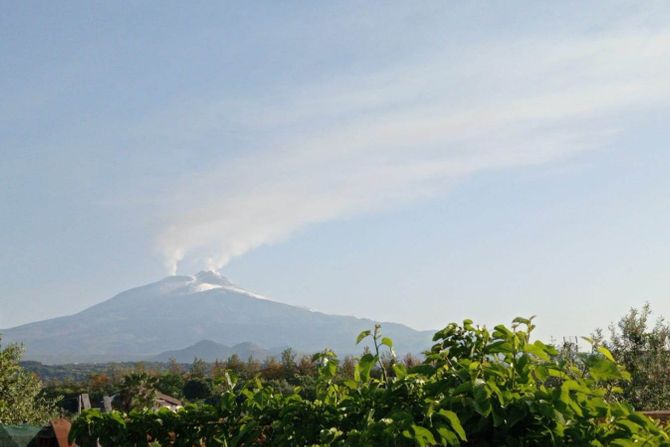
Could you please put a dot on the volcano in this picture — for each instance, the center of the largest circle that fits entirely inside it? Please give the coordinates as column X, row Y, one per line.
column 181, row 311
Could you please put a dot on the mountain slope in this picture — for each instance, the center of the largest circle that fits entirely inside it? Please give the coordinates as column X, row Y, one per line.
column 183, row 310
column 211, row 351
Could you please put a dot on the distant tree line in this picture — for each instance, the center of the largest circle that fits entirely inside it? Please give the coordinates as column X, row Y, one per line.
column 134, row 385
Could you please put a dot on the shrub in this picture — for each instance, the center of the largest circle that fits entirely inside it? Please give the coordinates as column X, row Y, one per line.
column 475, row 387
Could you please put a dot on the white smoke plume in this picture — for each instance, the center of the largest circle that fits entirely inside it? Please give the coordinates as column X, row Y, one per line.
column 364, row 143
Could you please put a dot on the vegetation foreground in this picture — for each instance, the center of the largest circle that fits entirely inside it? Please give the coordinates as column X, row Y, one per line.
column 475, row 388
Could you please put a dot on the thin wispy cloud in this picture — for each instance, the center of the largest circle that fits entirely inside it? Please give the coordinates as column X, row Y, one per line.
column 362, row 143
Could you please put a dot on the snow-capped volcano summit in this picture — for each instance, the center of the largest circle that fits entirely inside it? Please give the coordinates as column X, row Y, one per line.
column 179, row 311
column 208, row 280
column 212, row 277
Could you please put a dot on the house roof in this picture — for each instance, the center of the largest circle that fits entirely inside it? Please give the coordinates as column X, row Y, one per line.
column 168, row 399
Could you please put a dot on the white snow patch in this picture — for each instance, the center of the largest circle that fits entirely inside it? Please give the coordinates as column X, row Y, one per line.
column 205, row 281
column 201, row 287
column 246, row 292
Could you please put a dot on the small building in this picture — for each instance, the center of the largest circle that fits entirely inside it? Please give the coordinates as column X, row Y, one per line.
column 165, row 401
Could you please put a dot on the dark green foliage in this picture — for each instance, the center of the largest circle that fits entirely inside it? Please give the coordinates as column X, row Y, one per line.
column 196, row 389
column 476, row 387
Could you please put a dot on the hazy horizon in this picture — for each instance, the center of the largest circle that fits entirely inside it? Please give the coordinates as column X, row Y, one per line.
column 418, row 164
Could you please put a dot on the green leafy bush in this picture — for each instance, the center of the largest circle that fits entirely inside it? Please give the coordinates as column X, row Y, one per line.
column 475, row 388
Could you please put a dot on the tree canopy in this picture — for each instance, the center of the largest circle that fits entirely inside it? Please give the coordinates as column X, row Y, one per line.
column 21, row 399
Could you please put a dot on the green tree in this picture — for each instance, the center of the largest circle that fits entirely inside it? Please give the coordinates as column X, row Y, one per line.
column 252, row 367
column 197, row 388
column 643, row 348
column 288, row 362
column 170, row 384
column 306, row 366
column 174, row 367
column 235, row 364
column 218, row 370
column 272, row 369
column 138, row 391
column 21, row 399
column 198, row 368
column 348, row 367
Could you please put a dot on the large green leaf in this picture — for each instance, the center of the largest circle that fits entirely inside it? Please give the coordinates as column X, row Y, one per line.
column 362, row 335
column 454, row 422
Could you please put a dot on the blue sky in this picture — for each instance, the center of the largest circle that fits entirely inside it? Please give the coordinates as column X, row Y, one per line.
column 420, row 164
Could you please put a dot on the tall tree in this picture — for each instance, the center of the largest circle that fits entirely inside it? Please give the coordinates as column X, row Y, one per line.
column 288, row 362
column 643, row 347
column 21, row 400
column 138, row 391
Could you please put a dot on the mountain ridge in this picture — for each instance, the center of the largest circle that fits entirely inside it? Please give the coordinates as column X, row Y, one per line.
column 211, row 351
column 146, row 321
